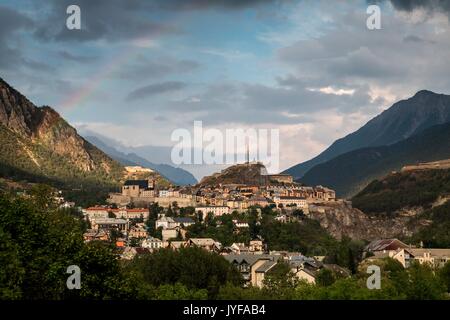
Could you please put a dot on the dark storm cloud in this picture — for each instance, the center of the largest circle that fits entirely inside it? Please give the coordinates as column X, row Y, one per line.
column 155, row 89
column 410, row 5
column 11, row 22
column 207, row 4
column 115, row 20
column 112, row 20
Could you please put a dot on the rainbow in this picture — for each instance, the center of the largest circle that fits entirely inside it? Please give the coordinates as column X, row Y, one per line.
column 96, row 81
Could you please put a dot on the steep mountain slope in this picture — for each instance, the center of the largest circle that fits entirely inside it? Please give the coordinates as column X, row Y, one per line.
column 37, row 144
column 341, row 220
column 399, row 122
column 176, row 175
column 352, row 171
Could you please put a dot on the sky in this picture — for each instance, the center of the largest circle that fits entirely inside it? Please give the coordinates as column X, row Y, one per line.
column 140, row 69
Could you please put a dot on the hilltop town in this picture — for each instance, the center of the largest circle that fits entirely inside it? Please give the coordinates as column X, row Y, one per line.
column 226, row 193
column 145, row 217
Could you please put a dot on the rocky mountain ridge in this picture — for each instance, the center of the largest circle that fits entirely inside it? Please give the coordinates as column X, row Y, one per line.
column 341, row 220
column 40, row 139
column 402, row 120
column 350, row 172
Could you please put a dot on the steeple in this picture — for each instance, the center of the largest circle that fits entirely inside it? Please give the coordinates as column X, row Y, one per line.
column 247, row 156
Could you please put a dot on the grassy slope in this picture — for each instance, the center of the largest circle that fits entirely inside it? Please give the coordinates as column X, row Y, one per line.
column 17, row 163
column 437, row 234
column 402, row 190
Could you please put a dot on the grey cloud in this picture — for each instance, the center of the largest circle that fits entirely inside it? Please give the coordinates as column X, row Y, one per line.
column 314, row 49
column 112, row 20
column 418, row 40
column 349, row 55
column 410, row 5
column 335, row 61
column 290, row 103
column 160, row 118
column 10, row 23
column 215, row 97
column 76, row 58
column 293, row 82
column 116, row 20
column 362, row 63
column 145, row 68
column 430, row 6
column 155, row 89
column 207, row 4
column 37, row 65
column 413, row 38
column 298, row 101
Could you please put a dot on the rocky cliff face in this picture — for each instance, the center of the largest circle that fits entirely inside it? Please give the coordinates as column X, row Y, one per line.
column 56, row 133
column 16, row 112
column 340, row 220
column 44, row 126
column 44, row 137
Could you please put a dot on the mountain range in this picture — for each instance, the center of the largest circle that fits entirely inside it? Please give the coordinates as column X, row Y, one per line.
column 157, row 156
column 352, row 171
column 37, row 144
column 176, row 175
column 392, row 139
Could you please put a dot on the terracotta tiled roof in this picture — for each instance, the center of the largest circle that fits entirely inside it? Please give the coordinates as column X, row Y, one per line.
column 97, row 209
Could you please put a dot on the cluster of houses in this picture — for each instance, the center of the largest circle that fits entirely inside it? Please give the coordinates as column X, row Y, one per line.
column 279, row 192
column 252, row 260
column 150, row 244
column 254, row 268
column 406, row 254
column 104, row 219
column 173, row 227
